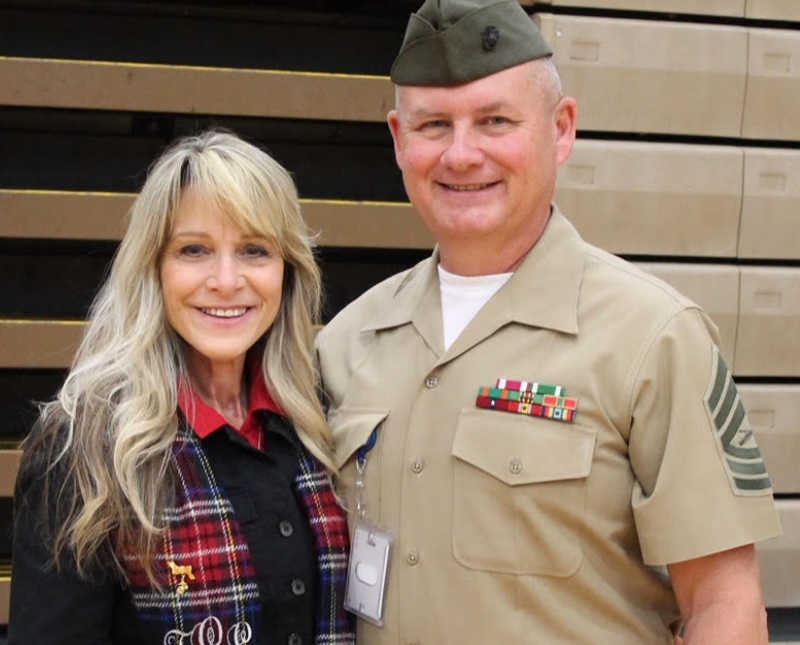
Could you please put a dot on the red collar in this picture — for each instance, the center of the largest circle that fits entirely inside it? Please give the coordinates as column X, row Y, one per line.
column 205, row 419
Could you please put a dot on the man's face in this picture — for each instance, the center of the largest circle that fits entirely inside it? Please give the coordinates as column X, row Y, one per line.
column 479, row 160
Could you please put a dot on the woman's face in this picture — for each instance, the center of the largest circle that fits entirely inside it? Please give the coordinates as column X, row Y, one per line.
column 221, row 287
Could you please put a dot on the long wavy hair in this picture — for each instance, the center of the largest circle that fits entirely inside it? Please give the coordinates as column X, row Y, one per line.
column 111, row 428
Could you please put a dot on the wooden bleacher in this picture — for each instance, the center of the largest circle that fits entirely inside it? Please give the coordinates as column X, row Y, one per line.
column 688, row 162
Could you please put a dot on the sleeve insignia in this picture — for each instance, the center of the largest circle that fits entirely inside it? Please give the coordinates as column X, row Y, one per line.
column 741, row 456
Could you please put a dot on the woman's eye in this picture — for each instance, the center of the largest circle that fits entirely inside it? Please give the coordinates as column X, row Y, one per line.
column 255, row 251
column 193, row 250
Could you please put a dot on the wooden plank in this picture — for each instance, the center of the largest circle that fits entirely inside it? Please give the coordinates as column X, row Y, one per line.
column 9, row 465
column 733, row 8
column 99, row 85
column 774, row 411
column 38, row 343
column 651, row 76
column 773, row 9
column 771, row 204
column 63, row 214
column 89, row 216
column 772, row 101
column 367, row 224
column 767, row 340
column 5, row 598
column 654, row 198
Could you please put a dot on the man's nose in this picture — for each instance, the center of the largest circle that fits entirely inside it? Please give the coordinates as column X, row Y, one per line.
column 225, row 275
column 463, row 150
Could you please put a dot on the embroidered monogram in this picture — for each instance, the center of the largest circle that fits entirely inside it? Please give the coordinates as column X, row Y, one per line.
column 209, row 632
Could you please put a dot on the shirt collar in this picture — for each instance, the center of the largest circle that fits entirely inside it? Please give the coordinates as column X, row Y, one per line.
column 543, row 292
column 204, row 419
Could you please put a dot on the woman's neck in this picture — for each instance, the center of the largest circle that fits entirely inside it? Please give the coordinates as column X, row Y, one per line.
column 220, row 385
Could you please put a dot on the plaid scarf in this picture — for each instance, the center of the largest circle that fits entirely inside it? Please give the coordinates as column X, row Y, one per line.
column 209, row 590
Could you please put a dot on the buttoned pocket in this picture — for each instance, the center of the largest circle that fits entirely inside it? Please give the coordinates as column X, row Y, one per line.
column 519, row 492
column 351, row 428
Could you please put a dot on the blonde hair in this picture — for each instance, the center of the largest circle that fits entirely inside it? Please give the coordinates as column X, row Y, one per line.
column 112, row 425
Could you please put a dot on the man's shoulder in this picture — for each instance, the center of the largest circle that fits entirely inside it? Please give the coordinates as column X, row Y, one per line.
column 370, row 305
column 629, row 284
column 618, row 295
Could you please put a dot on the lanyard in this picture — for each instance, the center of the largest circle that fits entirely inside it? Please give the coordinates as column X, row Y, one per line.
column 361, row 465
column 361, row 455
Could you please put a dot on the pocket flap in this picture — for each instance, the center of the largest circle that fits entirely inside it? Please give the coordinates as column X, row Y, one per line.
column 523, row 450
column 351, row 428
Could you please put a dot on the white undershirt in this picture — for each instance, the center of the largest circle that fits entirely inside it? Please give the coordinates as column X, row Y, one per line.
column 462, row 298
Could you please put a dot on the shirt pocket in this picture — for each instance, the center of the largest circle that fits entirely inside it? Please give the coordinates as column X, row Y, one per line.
column 351, row 428
column 519, row 493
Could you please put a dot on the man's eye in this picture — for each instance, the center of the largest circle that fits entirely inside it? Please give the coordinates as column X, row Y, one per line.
column 433, row 124
column 193, row 250
column 497, row 120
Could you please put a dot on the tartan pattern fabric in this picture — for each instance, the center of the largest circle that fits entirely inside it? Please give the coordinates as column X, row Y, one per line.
column 209, row 592
column 329, row 527
column 216, row 600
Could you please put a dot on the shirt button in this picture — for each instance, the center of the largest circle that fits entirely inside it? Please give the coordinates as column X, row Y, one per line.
column 294, row 639
column 432, row 381
column 412, row 558
column 515, row 466
column 286, row 528
column 417, row 466
column 298, row 587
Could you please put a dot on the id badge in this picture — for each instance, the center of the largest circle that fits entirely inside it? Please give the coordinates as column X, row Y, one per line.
column 367, row 572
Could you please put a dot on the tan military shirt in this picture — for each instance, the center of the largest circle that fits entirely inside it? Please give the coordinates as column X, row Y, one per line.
column 517, row 529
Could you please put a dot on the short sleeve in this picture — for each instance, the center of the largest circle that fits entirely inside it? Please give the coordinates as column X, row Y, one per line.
column 702, row 486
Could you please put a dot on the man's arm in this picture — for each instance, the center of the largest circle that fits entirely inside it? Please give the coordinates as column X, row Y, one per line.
column 719, row 596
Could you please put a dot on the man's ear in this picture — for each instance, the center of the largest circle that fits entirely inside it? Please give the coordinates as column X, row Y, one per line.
column 394, row 127
column 566, row 118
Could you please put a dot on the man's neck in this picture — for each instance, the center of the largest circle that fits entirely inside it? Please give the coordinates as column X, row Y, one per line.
column 475, row 257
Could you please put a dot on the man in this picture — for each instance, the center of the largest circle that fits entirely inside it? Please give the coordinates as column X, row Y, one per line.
column 550, row 435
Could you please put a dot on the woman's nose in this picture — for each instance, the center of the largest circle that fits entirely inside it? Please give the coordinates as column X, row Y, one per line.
column 225, row 275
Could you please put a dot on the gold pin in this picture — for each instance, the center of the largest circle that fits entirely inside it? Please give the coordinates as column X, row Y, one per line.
column 182, row 571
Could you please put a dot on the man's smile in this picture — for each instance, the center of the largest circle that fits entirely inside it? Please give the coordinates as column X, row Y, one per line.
column 467, row 187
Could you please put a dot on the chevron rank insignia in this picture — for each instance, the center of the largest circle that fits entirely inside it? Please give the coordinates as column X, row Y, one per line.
column 528, row 398
column 741, row 456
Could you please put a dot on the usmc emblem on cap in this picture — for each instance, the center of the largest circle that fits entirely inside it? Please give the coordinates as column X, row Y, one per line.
column 489, row 38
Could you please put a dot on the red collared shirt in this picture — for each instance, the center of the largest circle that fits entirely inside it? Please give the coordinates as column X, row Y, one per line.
column 207, row 419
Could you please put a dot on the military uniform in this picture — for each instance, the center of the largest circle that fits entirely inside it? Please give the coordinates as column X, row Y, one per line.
column 515, row 528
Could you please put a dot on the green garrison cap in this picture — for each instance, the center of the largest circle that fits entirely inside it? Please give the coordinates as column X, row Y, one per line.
column 449, row 42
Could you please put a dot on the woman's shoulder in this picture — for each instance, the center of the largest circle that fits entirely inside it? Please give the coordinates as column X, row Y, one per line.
column 43, row 467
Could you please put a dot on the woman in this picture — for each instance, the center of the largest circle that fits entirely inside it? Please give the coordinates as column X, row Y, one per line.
column 175, row 491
